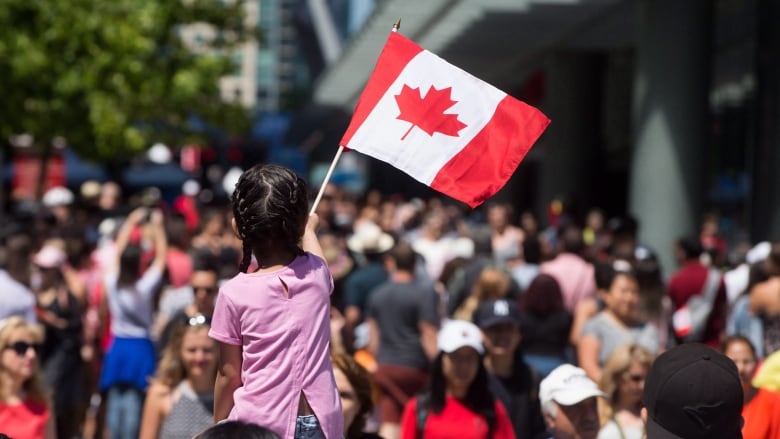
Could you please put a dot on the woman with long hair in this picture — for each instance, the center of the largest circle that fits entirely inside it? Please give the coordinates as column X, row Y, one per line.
column 130, row 290
column 357, row 395
column 60, row 312
column 25, row 407
column 545, row 324
column 765, row 301
column 761, row 408
column 459, row 402
column 623, row 380
column 180, row 400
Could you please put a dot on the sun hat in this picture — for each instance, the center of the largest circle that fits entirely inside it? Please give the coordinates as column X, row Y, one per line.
column 455, row 334
column 568, row 385
column 691, row 392
column 369, row 238
column 58, row 196
column 49, row 256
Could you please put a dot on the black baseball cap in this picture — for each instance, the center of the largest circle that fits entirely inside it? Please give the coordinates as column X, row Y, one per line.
column 495, row 311
column 692, row 392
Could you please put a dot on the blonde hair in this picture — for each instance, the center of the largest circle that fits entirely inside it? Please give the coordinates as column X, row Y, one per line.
column 171, row 370
column 33, row 386
column 617, row 364
column 492, row 284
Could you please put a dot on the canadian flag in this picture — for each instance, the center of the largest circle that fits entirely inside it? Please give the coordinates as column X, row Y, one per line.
column 441, row 125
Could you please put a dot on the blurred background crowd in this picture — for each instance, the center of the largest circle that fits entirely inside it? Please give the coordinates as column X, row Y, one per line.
column 571, row 289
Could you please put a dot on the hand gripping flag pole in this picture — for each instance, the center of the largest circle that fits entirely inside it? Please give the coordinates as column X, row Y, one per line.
column 336, row 158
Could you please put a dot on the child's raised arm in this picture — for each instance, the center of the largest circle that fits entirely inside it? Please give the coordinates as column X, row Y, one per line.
column 310, row 242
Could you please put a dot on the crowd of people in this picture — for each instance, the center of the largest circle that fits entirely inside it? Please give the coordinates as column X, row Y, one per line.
column 378, row 316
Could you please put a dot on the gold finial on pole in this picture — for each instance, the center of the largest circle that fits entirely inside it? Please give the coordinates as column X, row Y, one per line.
column 397, row 24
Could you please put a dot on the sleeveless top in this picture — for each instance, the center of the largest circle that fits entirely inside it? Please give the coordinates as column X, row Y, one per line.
column 190, row 413
column 26, row 420
column 771, row 333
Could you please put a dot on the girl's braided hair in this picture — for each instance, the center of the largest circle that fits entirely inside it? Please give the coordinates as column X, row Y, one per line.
column 270, row 207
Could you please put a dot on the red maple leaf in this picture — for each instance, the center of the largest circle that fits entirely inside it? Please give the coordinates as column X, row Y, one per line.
column 428, row 112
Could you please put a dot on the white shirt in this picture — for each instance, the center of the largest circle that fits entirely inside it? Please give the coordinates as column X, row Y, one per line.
column 16, row 299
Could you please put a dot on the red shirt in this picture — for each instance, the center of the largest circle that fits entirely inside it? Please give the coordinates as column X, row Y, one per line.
column 455, row 420
column 762, row 416
column 26, row 420
column 688, row 282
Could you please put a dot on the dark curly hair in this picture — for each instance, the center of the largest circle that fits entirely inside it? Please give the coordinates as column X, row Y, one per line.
column 270, row 207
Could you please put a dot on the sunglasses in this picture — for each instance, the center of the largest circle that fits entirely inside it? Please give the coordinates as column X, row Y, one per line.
column 21, row 347
column 636, row 378
column 208, row 290
column 198, row 320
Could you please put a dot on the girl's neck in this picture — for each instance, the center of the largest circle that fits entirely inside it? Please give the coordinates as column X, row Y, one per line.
column 500, row 365
column 749, row 393
column 275, row 259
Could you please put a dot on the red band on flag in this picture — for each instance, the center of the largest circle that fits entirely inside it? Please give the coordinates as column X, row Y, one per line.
column 483, row 167
column 397, row 53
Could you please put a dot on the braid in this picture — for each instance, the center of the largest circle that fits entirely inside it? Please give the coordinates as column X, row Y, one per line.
column 247, row 258
column 270, row 207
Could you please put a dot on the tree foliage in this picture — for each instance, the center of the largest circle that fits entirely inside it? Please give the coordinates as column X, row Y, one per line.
column 112, row 77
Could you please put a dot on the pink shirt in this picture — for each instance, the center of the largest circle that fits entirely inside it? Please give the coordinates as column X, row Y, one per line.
column 285, row 338
column 575, row 276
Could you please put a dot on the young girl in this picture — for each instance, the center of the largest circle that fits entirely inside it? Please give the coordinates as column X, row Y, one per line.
column 273, row 325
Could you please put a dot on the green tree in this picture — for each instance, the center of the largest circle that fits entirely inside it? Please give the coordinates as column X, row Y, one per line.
column 112, row 77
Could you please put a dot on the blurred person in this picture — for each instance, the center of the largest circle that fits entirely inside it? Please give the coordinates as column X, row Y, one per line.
column 692, row 392
column 273, row 323
column 371, row 243
column 61, row 314
column 178, row 261
column 215, row 237
column 623, row 381
column 573, row 273
column 186, row 204
column 618, row 324
column 529, row 223
column 110, row 198
column 129, row 290
column 698, row 295
column 655, row 306
column 511, row 379
column 588, row 308
column 765, row 302
column 435, row 244
column 524, row 272
column 593, row 232
column 506, row 238
column 459, row 402
column 180, row 400
column 743, row 322
column 761, row 410
column 204, row 285
column 59, row 200
column 25, row 407
column 491, row 284
column 237, row 429
column 17, row 299
column 402, row 322
column 712, row 243
column 569, row 403
column 545, row 324
column 356, row 392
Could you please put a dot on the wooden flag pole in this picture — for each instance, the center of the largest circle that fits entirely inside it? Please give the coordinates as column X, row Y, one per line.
column 335, row 161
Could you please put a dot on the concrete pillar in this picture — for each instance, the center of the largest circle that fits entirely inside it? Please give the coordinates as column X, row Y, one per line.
column 669, row 119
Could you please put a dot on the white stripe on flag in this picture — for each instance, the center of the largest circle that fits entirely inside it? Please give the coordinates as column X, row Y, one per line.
column 421, row 155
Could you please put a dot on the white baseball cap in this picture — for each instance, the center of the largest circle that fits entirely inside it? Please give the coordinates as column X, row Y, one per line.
column 568, row 385
column 455, row 334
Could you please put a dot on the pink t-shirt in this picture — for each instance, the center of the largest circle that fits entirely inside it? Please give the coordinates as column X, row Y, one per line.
column 285, row 338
